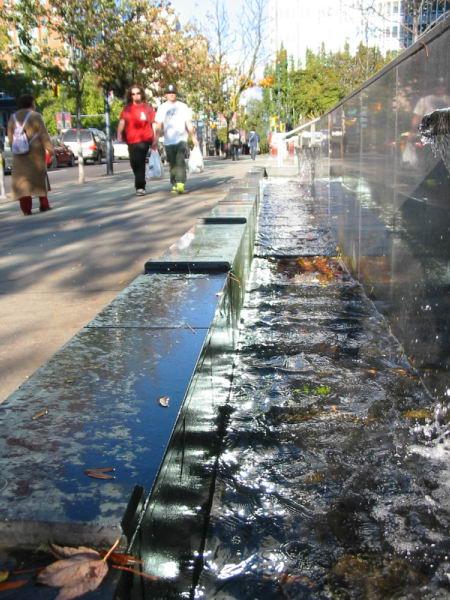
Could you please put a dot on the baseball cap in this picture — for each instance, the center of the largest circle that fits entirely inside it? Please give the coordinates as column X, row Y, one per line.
column 170, row 89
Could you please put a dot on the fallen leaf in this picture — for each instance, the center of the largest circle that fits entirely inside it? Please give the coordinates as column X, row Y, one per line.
column 69, row 552
column 98, row 474
column 4, row 576
column 164, row 401
column 78, row 574
column 123, row 559
column 75, row 576
column 12, row 585
column 101, row 469
column 40, row 414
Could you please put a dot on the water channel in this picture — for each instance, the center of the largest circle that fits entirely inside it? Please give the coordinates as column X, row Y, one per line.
column 333, row 479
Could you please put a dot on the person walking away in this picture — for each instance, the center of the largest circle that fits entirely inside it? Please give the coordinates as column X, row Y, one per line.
column 253, row 141
column 29, row 139
column 235, row 140
column 174, row 119
column 136, row 129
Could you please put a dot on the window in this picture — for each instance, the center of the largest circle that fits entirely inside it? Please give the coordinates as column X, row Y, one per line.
column 395, row 31
column 395, row 8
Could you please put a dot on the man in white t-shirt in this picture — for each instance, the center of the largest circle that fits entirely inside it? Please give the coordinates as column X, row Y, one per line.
column 174, row 119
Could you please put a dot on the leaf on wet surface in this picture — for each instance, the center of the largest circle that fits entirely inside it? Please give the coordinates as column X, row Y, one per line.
column 4, row 576
column 164, row 401
column 63, row 552
column 74, row 576
column 100, row 473
column 40, row 413
column 123, row 559
column 418, row 414
column 12, row 585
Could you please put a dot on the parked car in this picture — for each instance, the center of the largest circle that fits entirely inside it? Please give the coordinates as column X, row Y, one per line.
column 7, row 157
column 93, row 143
column 63, row 155
column 120, row 150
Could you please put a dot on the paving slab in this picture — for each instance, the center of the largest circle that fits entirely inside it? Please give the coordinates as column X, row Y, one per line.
column 96, row 404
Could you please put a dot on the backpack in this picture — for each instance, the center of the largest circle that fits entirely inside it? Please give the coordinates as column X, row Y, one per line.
column 20, row 143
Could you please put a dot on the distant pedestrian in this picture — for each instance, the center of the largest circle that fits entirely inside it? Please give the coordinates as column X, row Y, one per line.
column 235, row 141
column 136, row 128
column 29, row 169
column 174, row 119
column 253, row 141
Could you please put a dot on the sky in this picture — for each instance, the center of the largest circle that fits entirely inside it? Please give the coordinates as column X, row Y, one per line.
column 189, row 9
column 195, row 9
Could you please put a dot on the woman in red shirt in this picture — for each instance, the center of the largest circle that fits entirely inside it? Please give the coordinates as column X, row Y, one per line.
column 135, row 128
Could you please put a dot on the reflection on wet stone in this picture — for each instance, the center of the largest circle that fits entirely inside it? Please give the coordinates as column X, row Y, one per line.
column 330, row 484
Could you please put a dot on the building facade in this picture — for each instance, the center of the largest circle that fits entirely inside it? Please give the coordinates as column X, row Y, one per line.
column 299, row 25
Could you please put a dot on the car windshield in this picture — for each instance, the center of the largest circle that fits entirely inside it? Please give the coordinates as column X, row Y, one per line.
column 71, row 135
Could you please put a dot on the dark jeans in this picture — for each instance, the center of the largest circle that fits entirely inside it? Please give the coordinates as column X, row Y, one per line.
column 138, row 154
column 234, row 152
column 176, row 155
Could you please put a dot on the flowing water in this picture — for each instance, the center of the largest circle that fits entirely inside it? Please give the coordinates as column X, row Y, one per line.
column 435, row 130
column 333, row 481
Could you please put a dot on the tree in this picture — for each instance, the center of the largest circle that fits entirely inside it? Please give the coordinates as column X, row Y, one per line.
column 297, row 94
column 73, row 30
column 234, row 57
column 110, row 43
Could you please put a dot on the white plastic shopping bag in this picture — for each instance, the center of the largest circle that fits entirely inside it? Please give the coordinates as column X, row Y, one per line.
column 195, row 162
column 154, row 166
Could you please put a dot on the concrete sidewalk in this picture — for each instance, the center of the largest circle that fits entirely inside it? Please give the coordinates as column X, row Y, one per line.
column 60, row 268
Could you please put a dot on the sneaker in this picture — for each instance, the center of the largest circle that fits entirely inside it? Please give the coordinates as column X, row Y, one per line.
column 180, row 188
column 140, row 192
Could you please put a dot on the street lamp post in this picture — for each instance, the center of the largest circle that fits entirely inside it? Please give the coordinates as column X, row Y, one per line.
column 109, row 153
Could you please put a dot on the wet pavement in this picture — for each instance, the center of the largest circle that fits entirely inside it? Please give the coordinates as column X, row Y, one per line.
column 333, row 482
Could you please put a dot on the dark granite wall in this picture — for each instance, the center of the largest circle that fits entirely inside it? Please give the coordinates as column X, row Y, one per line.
column 388, row 197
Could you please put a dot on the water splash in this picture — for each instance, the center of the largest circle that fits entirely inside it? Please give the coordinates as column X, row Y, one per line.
column 435, row 131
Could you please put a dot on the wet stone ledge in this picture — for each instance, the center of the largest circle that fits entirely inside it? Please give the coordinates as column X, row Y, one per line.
column 96, row 404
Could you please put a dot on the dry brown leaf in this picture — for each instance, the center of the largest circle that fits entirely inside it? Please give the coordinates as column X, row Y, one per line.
column 99, row 473
column 40, row 413
column 12, row 585
column 122, row 559
column 75, row 576
column 69, row 552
